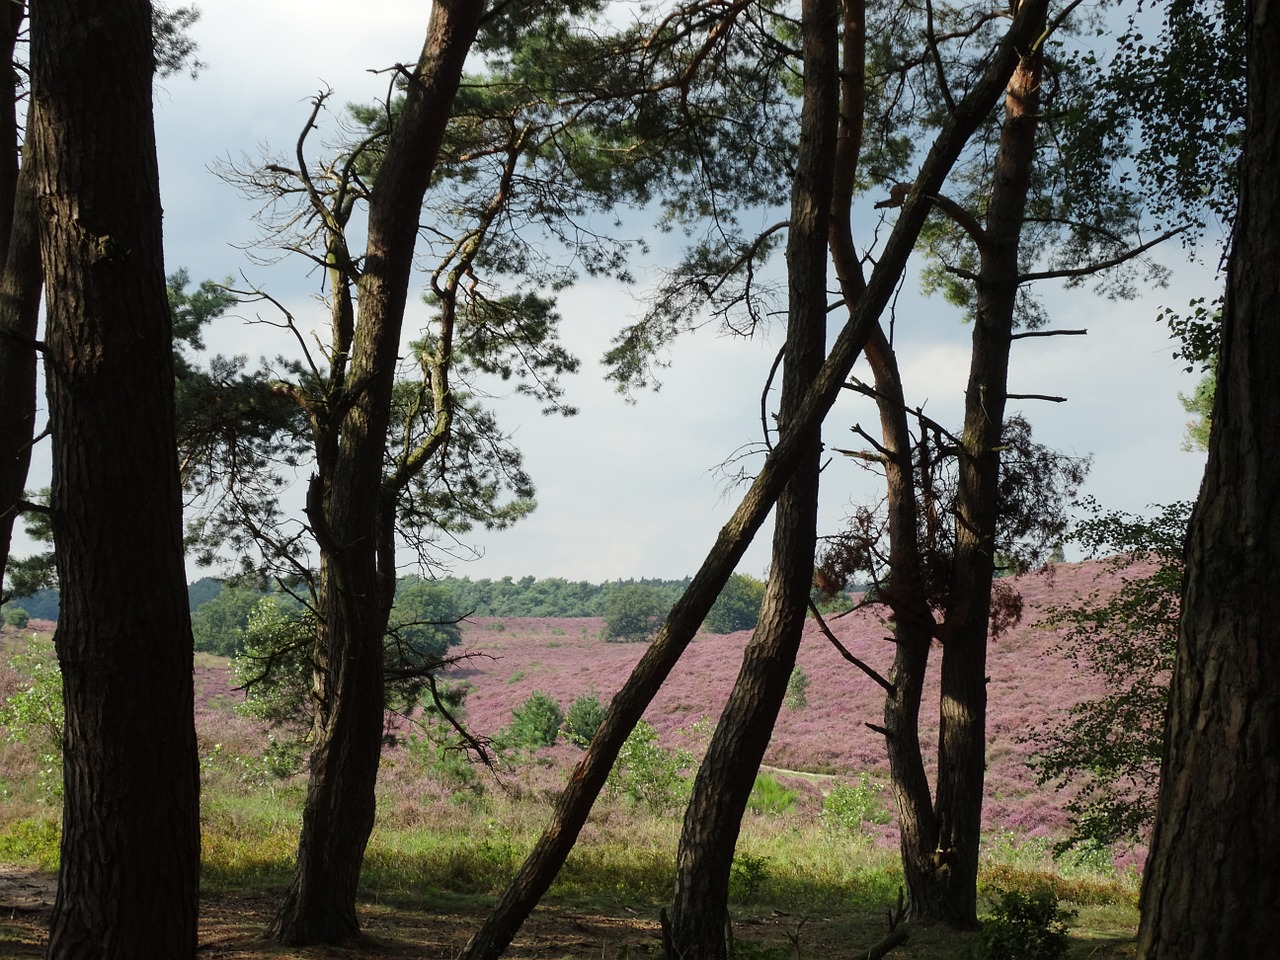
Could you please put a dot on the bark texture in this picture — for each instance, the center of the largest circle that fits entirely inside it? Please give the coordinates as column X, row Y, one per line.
column 1212, row 883
column 727, row 774
column 129, row 877
column 350, row 508
column 19, row 296
column 548, row 855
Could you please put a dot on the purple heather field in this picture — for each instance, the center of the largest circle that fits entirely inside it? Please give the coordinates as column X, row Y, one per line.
column 1032, row 682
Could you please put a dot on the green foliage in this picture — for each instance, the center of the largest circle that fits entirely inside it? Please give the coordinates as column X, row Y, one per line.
column 534, row 723
column 747, row 877
column 1024, row 926
column 649, row 774
column 847, row 807
column 1110, row 747
column 797, row 689
column 583, row 718
column 737, row 607
column 546, row 597
column 219, row 625
column 768, row 796
column 274, row 663
column 1200, row 406
column 423, row 626
column 34, row 713
column 200, row 592
column 16, row 617
column 633, row 613
column 274, row 667
column 35, row 841
column 439, row 748
column 26, row 577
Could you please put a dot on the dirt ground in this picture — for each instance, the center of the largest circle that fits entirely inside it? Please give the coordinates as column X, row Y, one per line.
column 231, row 928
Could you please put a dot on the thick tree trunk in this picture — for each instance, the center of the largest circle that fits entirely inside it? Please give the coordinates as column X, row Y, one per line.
column 548, row 855
column 129, row 877
column 713, row 818
column 1212, row 883
column 350, row 517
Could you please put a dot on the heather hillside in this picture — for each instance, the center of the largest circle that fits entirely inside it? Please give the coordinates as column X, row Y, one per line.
column 1032, row 682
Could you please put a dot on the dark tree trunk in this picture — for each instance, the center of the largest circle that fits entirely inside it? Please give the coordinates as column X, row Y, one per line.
column 713, row 818
column 129, row 878
column 1212, row 881
column 963, row 707
column 548, row 855
column 351, row 517
column 940, row 832
column 19, row 298
column 913, row 628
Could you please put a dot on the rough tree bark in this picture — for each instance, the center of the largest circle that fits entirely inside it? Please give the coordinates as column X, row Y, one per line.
column 1212, row 881
column 129, row 877
column 351, row 511
column 548, row 855
column 950, row 889
column 725, row 778
column 19, row 296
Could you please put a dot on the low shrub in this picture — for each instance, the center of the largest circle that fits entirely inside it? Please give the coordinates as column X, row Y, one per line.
column 1024, row 926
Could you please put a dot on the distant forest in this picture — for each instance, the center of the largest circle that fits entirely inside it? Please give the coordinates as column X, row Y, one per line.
column 507, row 597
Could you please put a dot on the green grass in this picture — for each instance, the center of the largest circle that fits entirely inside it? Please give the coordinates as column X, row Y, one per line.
column 430, row 843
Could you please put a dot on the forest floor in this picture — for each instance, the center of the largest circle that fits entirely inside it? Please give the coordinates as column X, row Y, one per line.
column 233, row 925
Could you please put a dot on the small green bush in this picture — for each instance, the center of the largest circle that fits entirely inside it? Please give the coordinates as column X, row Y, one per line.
column 583, row 719
column 16, row 617
column 1025, row 926
column 34, row 713
column 769, row 796
column 534, row 723
column 848, row 807
column 648, row 773
column 747, row 876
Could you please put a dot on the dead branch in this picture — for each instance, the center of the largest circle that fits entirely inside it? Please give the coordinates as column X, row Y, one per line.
column 1092, row 268
column 1049, row 333
column 844, row 652
column 1035, row 396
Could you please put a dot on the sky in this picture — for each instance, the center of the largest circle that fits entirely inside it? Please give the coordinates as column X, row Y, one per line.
column 637, row 489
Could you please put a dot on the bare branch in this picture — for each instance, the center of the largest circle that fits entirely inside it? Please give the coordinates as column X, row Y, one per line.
column 1049, row 333
column 1034, row 396
column 844, row 652
column 1098, row 267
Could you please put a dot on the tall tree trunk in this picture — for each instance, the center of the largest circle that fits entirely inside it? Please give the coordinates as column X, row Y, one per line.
column 724, row 781
column 129, row 876
column 19, row 297
column 350, row 516
column 963, row 707
column 548, row 855
column 913, row 629
column 1212, row 881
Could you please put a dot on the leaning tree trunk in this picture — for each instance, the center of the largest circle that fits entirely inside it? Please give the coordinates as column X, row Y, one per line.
column 1212, row 881
column 553, row 846
column 348, row 514
column 129, row 876
column 714, row 816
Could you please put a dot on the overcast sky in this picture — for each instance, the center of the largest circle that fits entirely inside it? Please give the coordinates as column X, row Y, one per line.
column 631, row 490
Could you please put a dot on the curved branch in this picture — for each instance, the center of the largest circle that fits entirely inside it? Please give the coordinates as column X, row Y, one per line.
column 1092, row 268
column 844, row 651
